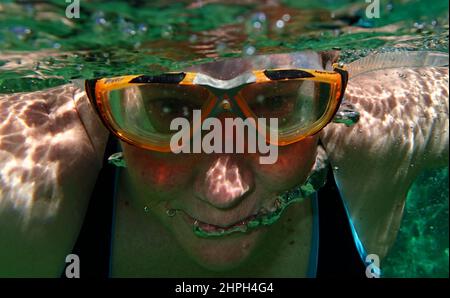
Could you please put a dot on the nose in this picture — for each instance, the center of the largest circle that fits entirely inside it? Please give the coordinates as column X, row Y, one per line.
column 225, row 183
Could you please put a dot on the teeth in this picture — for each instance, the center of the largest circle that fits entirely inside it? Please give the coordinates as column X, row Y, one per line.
column 241, row 225
column 273, row 207
column 277, row 203
column 263, row 210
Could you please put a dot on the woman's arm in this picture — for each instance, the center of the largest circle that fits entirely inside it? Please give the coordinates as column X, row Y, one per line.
column 403, row 130
column 48, row 167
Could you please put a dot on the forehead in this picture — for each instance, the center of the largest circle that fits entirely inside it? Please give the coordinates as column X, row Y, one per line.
column 230, row 68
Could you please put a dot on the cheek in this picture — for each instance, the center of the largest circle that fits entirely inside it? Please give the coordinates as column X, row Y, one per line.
column 158, row 171
column 167, row 172
column 293, row 164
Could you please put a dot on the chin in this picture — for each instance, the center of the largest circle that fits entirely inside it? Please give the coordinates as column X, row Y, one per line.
column 218, row 254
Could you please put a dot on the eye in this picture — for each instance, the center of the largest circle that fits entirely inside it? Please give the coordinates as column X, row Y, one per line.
column 171, row 107
column 162, row 111
column 272, row 106
column 274, row 102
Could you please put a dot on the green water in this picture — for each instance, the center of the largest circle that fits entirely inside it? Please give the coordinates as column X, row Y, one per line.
column 40, row 47
column 421, row 249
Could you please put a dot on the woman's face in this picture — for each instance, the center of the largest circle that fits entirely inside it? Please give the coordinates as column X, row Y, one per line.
column 216, row 189
column 219, row 189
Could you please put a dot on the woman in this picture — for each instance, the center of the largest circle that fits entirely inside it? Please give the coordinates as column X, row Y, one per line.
column 52, row 148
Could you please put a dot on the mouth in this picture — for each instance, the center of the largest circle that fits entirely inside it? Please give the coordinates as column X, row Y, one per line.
column 207, row 230
column 264, row 217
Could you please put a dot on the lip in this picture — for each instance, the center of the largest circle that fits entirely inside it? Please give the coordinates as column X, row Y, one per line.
column 218, row 229
column 263, row 217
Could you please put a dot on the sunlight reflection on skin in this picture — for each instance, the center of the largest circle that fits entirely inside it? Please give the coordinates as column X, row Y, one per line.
column 225, row 183
column 38, row 133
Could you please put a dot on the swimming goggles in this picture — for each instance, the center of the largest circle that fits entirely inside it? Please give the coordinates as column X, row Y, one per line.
column 139, row 109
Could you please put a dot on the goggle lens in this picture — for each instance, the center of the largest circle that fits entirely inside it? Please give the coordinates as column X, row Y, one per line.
column 146, row 110
column 297, row 104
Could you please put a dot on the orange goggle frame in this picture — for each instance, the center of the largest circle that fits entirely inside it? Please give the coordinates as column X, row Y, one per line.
column 98, row 90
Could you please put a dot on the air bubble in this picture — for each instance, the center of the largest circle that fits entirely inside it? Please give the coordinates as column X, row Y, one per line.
column 286, row 17
column 171, row 212
column 185, row 111
column 257, row 21
column 389, row 7
column 167, row 31
column 21, row 32
column 100, row 21
column 221, row 47
column 280, row 24
column 419, row 26
column 193, row 38
column 260, row 16
column 142, row 28
column 249, row 50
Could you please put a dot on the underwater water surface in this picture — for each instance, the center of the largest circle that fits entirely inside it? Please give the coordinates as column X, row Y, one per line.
column 40, row 47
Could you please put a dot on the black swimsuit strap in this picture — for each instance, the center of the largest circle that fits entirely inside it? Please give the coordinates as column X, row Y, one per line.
column 338, row 256
column 93, row 245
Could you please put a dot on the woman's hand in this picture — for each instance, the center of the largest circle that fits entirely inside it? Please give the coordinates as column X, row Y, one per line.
column 49, row 162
